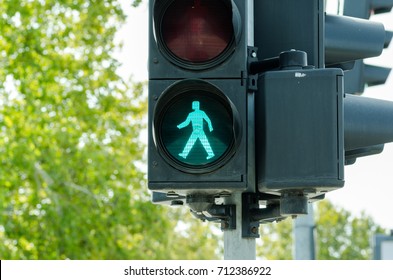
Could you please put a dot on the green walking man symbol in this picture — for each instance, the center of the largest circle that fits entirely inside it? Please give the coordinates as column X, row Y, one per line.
column 196, row 118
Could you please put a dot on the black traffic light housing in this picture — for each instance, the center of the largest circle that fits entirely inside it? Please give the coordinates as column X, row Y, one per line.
column 167, row 170
column 198, row 98
column 298, row 107
column 282, row 25
column 300, row 133
column 362, row 75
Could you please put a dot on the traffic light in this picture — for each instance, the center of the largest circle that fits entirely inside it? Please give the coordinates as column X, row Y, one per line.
column 363, row 74
column 302, row 135
column 206, row 83
column 198, row 98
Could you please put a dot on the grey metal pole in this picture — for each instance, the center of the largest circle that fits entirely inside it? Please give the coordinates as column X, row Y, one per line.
column 304, row 243
column 236, row 247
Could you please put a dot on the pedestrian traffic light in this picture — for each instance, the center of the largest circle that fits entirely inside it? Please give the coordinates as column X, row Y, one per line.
column 202, row 78
column 196, row 126
column 198, row 97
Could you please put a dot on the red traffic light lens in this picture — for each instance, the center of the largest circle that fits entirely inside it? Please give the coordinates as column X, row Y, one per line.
column 197, row 31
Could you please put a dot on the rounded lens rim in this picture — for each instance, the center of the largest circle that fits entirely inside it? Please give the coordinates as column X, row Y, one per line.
column 160, row 11
column 176, row 91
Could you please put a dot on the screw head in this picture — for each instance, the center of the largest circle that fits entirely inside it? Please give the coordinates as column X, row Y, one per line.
column 224, row 225
column 254, row 230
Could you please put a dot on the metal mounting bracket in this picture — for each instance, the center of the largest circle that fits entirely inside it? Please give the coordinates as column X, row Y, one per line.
column 224, row 214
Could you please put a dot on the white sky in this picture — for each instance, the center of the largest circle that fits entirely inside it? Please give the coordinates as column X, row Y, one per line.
column 369, row 182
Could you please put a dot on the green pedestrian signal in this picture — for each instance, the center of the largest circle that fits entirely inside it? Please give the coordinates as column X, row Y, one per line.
column 194, row 126
column 196, row 118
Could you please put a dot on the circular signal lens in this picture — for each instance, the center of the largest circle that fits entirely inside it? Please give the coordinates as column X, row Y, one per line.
column 194, row 126
column 197, row 31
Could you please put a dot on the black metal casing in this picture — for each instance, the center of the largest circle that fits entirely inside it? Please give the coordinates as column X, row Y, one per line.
column 300, row 132
column 228, row 75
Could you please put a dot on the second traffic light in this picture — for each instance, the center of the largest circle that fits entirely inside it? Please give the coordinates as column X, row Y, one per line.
column 198, row 97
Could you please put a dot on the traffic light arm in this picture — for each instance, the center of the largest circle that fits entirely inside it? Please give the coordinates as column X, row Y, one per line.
column 367, row 122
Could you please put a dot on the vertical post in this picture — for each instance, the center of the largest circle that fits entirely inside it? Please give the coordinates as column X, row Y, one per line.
column 235, row 246
column 304, row 247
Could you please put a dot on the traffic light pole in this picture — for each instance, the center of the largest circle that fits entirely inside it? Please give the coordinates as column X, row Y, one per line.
column 303, row 234
column 235, row 246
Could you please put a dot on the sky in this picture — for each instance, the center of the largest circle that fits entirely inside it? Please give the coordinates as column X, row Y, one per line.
column 368, row 183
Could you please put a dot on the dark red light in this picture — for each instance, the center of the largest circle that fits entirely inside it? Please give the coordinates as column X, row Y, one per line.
column 197, row 30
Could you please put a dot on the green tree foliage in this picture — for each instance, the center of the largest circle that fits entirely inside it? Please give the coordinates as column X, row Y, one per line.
column 71, row 180
column 339, row 235
column 135, row 3
column 276, row 241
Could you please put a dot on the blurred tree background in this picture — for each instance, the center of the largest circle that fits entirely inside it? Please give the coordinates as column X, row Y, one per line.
column 72, row 179
column 339, row 235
